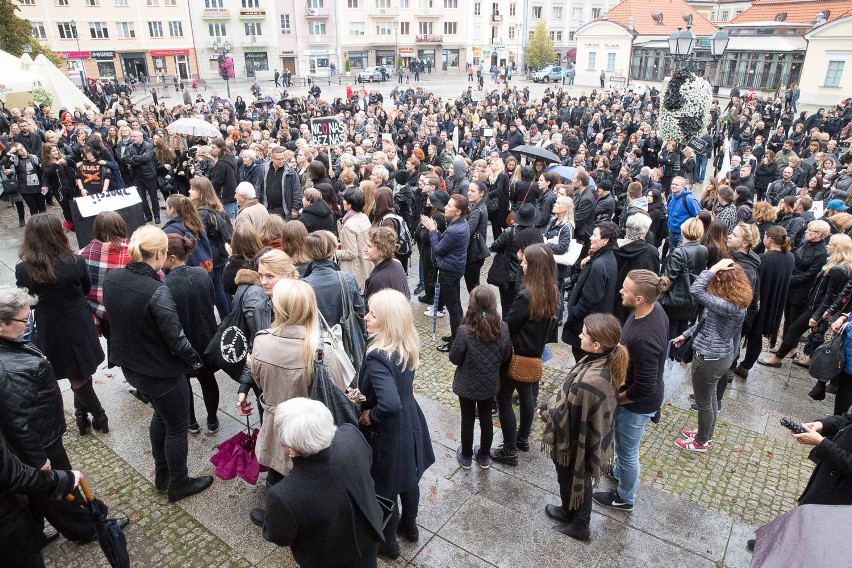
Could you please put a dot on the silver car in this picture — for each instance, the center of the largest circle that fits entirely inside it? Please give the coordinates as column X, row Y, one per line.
column 370, row 74
column 550, row 73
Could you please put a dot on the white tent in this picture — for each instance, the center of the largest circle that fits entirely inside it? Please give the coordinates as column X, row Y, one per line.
column 16, row 84
column 65, row 93
column 21, row 75
column 26, row 60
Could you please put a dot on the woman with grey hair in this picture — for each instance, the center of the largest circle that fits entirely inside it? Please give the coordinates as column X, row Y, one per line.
column 633, row 253
column 313, row 510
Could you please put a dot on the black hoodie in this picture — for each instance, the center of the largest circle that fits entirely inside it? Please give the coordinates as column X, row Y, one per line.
column 750, row 263
column 632, row 255
column 318, row 217
column 224, row 178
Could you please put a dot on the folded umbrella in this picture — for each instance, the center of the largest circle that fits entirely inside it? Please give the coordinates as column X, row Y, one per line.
column 236, row 458
column 110, row 536
column 798, row 538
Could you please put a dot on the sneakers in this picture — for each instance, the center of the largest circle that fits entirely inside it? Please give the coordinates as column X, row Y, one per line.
column 691, row 445
column 465, row 462
column 430, row 312
column 419, row 289
column 501, row 455
column 194, row 428
column 523, row 444
column 212, row 427
column 691, row 434
column 482, row 460
column 750, row 544
column 612, row 500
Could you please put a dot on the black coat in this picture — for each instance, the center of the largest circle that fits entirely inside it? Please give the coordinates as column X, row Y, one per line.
column 318, row 216
column 325, row 510
column 229, row 274
column 146, row 335
column 776, row 267
column 831, row 481
column 31, row 415
column 584, row 215
column 593, row 292
column 387, row 274
column 810, row 258
column 510, row 241
column 633, row 255
column 66, row 329
column 192, row 292
column 681, row 267
column 479, row 365
column 224, row 178
column 529, row 336
column 398, row 433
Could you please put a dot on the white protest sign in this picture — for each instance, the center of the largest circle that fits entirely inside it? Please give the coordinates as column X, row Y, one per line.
column 818, row 209
column 328, row 131
column 113, row 200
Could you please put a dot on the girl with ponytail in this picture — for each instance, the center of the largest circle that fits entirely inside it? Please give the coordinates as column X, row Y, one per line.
column 579, row 422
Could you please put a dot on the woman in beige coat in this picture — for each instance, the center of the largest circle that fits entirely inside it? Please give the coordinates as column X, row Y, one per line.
column 282, row 364
column 353, row 237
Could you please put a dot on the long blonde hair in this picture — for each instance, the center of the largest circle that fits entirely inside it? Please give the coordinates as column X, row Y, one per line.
column 568, row 215
column 842, row 252
column 146, row 241
column 397, row 335
column 294, row 303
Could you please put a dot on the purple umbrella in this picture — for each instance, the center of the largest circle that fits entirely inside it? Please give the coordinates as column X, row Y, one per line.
column 798, row 538
column 236, row 458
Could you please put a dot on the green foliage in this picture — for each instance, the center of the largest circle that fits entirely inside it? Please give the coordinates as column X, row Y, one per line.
column 347, row 66
column 539, row 50
column 41, row 96
column 16, row 32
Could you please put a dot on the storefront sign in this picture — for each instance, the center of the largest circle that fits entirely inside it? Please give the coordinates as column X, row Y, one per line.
column 328, row 131
column 406, row 51
column 288, row 53
column 252, row 11
column 255, row 55
column 103, row 55
column 75, row 54
column 167, row 52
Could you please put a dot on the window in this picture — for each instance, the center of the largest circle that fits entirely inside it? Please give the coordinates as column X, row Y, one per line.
column 451, row 4
column 424, row 28
column 125, row 30
column 834, row 73
column 175, row 29
column 38, row 30
column 122, row 3
column 477, row 32
column 27, row 2
column 451, row 28
column 98, row 30
column 92, row 3
column 511, row 32
column 252, row 28
column 384, row 29
column 477, row 8
column 405, row 28
column 556, row 35
column 354, row 4
column 357, row 28
column 67, row 30
column 152, row 3
column 213, row 3
column 316, row 28
column 316, row 4
column 512, row 9
column 577, row 14
column 404, row 4
column 61, row 2
column 557, row 12
column 285, row 24
column 724, row 15
column 610, row 62
column 251, row 3
column 169, row 2
column 155, row 29
column 217, row 30
column 537, row 11
column 570, row 36
column 592, row 61
column 596, row 13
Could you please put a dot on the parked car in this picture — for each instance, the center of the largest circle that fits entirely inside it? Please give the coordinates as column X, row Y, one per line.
column 550, row 73
column 370, row 74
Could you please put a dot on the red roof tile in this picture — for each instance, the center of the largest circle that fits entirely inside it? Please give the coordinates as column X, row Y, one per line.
column 798, row 11
column 672, row 11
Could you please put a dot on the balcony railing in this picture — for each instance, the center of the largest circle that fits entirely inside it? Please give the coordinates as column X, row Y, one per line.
column 496, row 18
column 389, row 12
column 422, row 12
column 216, row 14
column 317, row 14
column 252, row 13
column 429, row 38
column 255, row 41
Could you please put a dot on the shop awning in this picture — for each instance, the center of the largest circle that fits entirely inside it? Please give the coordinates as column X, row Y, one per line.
column 760, row 43
column 571, row 52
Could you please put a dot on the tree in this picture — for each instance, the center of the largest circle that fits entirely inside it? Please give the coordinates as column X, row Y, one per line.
column 16, row 33
column 539, row 50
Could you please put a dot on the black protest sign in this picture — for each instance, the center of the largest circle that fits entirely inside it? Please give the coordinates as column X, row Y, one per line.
column 328, row 131
column 126, row 202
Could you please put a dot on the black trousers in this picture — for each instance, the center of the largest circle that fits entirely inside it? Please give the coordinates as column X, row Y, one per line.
column 409, row 502
column 582, row 516
column 35, row 202
column 86, row 399
column 147, row 189
column 472, row 273
column 209, row 392
column 469, row 409
column 791, row 314
column 843, row 398
column 170, row 422
column 68, row 518
column 507, row 296
column 451, row 297
column 793, row 332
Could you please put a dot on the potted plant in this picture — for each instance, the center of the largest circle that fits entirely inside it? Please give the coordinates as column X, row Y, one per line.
column 347, row 67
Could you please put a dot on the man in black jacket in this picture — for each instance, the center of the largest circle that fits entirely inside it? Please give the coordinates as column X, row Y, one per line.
column 282, row 190
column 584, row 208
column 140, row 156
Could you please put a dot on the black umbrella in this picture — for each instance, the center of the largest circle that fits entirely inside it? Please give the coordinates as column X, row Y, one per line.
column 797, row 538
column 537, row 153
column 109, row 533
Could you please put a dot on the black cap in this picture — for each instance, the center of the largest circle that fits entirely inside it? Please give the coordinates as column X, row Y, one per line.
column 439, row 199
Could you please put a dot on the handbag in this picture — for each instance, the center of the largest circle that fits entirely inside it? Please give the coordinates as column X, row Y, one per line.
column 511, row 216
column 525, row 369
column 685, row 353
column 230, row 346
column 352, row 327
column 570, row 256
column 828, row 359
column 324, row 390
column 501, row 266
column 335, row 336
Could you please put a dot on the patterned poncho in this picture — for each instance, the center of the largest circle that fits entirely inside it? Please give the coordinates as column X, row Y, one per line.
column 580, row 416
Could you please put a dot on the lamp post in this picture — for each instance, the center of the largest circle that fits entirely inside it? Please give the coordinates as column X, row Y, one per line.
column 682, row 44
column 82, row 65
column 223, row 50
column 396, row 45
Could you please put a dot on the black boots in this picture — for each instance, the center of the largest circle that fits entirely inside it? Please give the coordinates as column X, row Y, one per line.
column 161, row 480
column 408, row 531
column 818, row 392
column 82, row 419
column 190, row 486
column 258, row 517
column 101, row 423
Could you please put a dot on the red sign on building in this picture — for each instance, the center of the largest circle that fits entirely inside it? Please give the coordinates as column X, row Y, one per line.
column 167, row 52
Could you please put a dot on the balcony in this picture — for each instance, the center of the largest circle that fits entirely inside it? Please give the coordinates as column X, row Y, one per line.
column 496, row 18
column 317, row 14
column 252, row 13
column 216, row 14
column 375, row 12
column 256, row 41
column 317, row 40
column 429, row 38
column 428, row 13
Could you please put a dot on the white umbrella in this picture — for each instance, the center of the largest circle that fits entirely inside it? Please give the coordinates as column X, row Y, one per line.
column 193, row 126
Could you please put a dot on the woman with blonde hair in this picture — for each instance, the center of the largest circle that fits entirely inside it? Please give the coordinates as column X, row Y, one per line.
column 681, row 267
column 763, row 216
column 390, row 416
column 271, row 231
column 368, row 188
column 558, row 234
column 149, row 344
column 579, row 423
column 497, row 198
column 282, row 365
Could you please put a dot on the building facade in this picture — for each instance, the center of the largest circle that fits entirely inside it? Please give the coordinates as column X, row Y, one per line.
column 101, row 39
column 309, row 36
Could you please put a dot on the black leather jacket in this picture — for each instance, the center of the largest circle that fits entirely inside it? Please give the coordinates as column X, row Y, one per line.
column 31, row 416
column 141, row 158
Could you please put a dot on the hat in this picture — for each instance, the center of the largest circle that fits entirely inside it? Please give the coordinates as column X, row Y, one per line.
column 836, row 205
column 439, row 199
column 526, row 215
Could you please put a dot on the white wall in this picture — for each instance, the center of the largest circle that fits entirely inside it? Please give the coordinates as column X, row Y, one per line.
column 602, row 38
column 828, row 43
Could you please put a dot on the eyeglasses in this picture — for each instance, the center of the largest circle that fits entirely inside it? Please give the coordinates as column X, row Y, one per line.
column 21, row 320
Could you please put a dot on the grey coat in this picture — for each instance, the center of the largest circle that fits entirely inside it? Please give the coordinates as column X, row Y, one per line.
column 723, row 321
column 479, row 365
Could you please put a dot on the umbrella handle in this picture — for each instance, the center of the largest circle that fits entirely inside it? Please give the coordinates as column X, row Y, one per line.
column 248, row 425
column 84, row 487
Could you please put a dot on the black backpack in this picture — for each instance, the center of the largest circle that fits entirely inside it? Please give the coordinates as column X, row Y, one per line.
column 404, row 243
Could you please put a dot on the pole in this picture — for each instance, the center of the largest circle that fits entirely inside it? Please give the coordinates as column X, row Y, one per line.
column 82, row 63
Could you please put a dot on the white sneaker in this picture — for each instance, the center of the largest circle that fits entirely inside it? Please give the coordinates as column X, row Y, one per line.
column 430, row 313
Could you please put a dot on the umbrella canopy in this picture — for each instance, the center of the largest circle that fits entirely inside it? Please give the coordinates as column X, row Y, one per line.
column 263, row 101
column 193, row 126
column 565, row 172
column 797, row 538
column 110, row 537
column 236, row 458
column 537, row 153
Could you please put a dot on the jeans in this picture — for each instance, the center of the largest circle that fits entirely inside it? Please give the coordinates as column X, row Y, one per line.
column 170, row 422
column 222, row 300
column 512, row 431
column 705, row 377
column 451, row 297
column 469, row 407
column 675, row 240
column 629, row 427
column 231, row 210
column 582, row 515
column 701, row 169
column 147, row 189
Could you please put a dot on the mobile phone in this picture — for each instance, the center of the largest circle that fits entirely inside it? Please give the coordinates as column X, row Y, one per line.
column 792, row 425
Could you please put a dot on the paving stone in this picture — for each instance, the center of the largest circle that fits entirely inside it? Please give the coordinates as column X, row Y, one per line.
column 439, row 553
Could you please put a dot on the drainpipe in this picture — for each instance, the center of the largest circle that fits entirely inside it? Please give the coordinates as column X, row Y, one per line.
column 194, row 47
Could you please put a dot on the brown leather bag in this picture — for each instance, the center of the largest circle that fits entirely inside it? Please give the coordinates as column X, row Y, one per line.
column 525, row 369
column 511, row 216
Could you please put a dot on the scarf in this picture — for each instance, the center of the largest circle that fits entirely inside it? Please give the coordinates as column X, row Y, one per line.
column 579, row 429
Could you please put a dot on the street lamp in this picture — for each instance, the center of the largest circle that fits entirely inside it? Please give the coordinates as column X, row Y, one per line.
column 682, row 44
column 82, row 65
column 396, row 43
column 223, row 50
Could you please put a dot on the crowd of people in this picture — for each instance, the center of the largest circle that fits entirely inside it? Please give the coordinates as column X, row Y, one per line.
column 628, row 246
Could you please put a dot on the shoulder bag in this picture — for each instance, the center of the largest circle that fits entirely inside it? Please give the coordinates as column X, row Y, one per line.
column 335, row 336
column 511, row 216
column 684, row 353
column 501, row 265
column 828, row 359
column 324, row 390
column 525, row 369
column 572, row 255
column 230, row 346
column 351, row 327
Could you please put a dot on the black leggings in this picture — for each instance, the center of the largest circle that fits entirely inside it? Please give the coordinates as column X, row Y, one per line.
column 472, row 273
column 793, row 332
column 408, row 504
column 582, row 515
column 791, row 314
column 469, row 408
column 843, row 398
column 209, row 392
column 35, row 202
column 86, row 400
